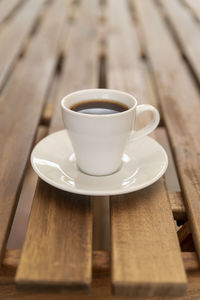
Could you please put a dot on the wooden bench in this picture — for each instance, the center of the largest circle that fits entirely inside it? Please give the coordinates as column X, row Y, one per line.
column 142, row 244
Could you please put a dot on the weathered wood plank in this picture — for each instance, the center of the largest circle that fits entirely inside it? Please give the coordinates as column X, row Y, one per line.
column 79, row 42
column 190, row 260
column 100, row 261
column 194, row 5
column 172, row 183
column 20, row 111
column 50, row 102
column 124, row 70
column 185, row 238
column 62, row 255
column 180, row 104
column 187, row 31
column 171, row 179
column 177, row 206
column 101, row 281
column 19, row 225
column 13, row 35
column 57, row 248
column 7, row 7
column 146, row 257
column 141, row 222
column 149, row 86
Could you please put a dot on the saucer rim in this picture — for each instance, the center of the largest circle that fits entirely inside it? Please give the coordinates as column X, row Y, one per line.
column 98, row 192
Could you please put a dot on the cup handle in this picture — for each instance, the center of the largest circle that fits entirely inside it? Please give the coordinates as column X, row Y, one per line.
column 149, row 127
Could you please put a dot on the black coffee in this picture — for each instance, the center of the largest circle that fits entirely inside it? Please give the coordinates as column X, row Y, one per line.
column 99, row 107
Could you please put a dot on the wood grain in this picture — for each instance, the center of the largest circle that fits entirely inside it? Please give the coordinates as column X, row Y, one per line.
column 185, row 238
column 177, row 206
column 171, row 178
column 59, row 254
column 13, row 36
column 101, row 282
column 180, row 104
column 146, row 257
column 143, row 263
column 82, row 37
column 52, row 241
column 194, row 6
column 124, row 70
column 19, row 225
column 191, row 262
column 50, row 102
column 187, row 31
column 149, row 86
column 7, row 7
column 100, row 262
column 20, row 111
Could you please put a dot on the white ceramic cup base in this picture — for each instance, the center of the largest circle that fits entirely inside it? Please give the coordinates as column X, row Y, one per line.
column 94, row 174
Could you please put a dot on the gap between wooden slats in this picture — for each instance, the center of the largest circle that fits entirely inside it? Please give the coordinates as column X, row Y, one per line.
column 64, row 252
column 143, row 263
column 180, row 104
column 20, row 111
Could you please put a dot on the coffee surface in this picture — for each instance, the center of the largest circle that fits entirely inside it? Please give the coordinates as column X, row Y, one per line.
column 99, row 107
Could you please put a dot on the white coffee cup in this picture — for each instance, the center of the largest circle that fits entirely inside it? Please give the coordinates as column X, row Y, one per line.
column 99, row 140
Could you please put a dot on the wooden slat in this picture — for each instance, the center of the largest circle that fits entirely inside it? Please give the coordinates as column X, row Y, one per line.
column 7, row 7
column 54, row 90
column 57, row 248
column 185, row 238
column 149, row 86
column 177, row 206
column 146, row 258
column 13, row 35
column 194, row 5
column 50, row 103
column 20, row 111
column 101, row 281
column 172, row 183
column 171, row 179
column 124, row 69
column 62, row 255
column 187, row 31
column 100, row 261
column 180, row 104
column 19, row 225
column 191, row 262
column 145, row 252
column 79, row 42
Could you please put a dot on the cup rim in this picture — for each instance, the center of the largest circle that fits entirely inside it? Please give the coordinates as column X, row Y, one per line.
column 95, row 115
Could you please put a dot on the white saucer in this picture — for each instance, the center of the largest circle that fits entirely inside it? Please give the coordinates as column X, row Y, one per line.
column 144, row 162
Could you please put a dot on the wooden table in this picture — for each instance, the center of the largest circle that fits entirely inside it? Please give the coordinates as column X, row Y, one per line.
column 141, row 244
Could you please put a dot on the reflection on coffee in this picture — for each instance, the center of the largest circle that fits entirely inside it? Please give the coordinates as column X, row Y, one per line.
column 99, row 107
